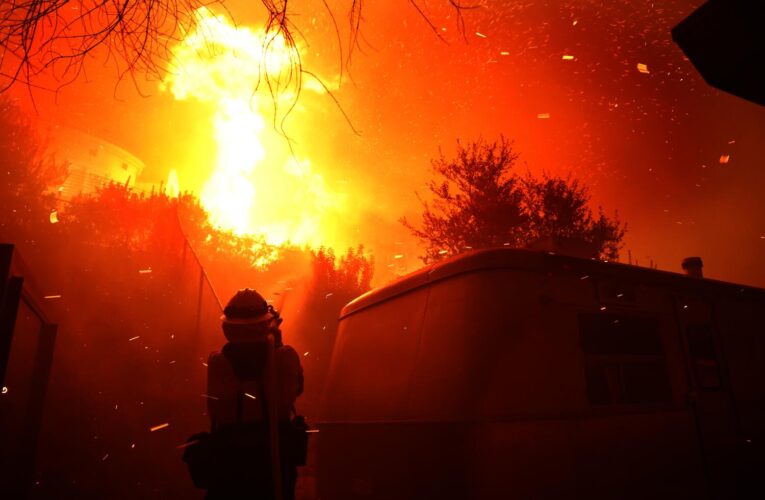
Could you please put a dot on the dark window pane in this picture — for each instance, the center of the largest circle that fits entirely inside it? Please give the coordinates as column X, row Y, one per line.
column 597, row 385
column 623, row 359
column 604, row 383
column 707, row 374
column 645, row 383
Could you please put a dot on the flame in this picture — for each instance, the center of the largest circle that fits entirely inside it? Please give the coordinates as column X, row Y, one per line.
column 172, row 188
column 252, row 189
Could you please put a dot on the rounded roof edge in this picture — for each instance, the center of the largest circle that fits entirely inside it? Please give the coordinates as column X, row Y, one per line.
column 528, row 260
column 459, row 264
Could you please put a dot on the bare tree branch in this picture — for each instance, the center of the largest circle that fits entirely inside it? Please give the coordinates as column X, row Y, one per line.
column 51, row 40
column 57, row 36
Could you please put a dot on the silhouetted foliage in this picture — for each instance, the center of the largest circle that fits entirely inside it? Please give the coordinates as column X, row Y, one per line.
column 27, row 179
column 349, row 276
column 117, row 217
column 334, row 283
column 479, row 201
column 560, row 207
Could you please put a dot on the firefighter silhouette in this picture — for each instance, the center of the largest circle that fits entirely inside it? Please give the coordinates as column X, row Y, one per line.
column 253, row 383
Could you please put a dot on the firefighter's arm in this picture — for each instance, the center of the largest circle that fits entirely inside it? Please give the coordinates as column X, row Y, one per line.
column 291, row 373
column 214, row 388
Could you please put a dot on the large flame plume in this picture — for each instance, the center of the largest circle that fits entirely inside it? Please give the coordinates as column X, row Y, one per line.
column 252, row 188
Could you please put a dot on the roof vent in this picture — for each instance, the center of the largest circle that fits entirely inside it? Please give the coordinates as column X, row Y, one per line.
column 692, row 267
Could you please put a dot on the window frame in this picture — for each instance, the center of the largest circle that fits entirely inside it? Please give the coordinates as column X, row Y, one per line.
column 618, row 395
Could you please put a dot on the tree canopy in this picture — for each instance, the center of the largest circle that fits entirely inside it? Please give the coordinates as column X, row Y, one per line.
column 480, row 201
column 26, row 177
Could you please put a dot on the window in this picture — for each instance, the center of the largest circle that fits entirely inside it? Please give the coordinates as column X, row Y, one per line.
column 623, row 360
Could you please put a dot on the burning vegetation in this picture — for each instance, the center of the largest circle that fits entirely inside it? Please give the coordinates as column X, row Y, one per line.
column 248, row 78
column 310, row 214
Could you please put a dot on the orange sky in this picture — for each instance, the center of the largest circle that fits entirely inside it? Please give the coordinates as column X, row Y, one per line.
column 647, row 144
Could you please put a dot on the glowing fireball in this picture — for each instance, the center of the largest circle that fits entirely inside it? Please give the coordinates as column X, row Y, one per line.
column 236, row 70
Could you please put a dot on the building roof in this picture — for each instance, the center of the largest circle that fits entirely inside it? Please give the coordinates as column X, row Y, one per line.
column 536, row 261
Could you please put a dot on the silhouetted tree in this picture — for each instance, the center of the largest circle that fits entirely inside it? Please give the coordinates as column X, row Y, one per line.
column 334, row 283
column 27, row 178
column 350, row 276
column 479, row 201
column 476, row 203
column 117, row 218
column 560, row 207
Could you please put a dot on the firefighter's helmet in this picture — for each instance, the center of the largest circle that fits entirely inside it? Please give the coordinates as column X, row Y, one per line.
column 246, row 307
column 248, row 317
